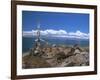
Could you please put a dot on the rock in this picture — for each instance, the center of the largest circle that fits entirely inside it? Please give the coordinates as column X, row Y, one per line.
column 56, row 56
column 75, row 60
column 35, row 62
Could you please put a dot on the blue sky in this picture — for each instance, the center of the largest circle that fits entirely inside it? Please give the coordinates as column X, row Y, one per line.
column 69, row 22
column 49, row 20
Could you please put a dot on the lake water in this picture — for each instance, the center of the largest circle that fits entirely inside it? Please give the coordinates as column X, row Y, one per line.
column 28, row 42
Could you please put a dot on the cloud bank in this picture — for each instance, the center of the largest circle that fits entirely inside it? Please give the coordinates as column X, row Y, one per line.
column 57, row 33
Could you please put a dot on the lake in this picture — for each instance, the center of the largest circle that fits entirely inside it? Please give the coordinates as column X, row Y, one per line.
column 29, row 42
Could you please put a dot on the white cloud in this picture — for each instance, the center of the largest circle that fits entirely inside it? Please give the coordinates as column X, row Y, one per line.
column 54, row 32
column 45, row 32
column 27, row 33
column 58, row 33
column 79, row 34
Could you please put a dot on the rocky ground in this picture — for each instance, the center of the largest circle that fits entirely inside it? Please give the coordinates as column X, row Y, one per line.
column 57, row 56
